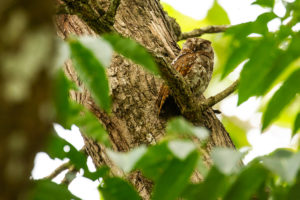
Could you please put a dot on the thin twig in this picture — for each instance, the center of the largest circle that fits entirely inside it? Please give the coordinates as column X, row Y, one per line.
column 112, row 10
column 222, row 95
column 70, row 175
column 58, row 170
column 201, row 31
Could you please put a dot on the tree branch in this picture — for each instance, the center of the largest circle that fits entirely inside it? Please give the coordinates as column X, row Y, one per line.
column 111, row 12
column 58, row 170
column 90, row 16
column 219, row 97
column 201, row 31
column 70, row 175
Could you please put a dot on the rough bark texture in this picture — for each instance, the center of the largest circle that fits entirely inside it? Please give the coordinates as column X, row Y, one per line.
column 134, row 119
column 27, row 46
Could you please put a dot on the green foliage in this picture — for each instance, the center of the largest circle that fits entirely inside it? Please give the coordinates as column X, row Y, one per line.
column 180, row 126
column 132, row 50
column 226, row 160
column 117, row 188
column 174, row 178
column 265, row 3
column 92, row 72
column 217, row 15
column 297, row 123
column 268, row 55
column 47, row 190
column 286, row 93
column 237, row 131
column 170, row 163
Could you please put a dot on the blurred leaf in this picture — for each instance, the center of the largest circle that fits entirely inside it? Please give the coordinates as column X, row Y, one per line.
column 61, row 98
column 236, row 130
column 239, row 52
column 216, row 15
column 256, row 68
column 202, row 167
column 179, row 126
column 91, row 126
column 264, row 3
column 127, row 160
column 56, row 149
column 174, row 179
column 48, row 190
column 101, row 49
column 155, row 161
column 226, row 160
column 296, row 124
column 259, row 26
column 281, row 98
column 132, row 50
column 117, row 188
column 284, row 163
column 247, row 183
column 101, row 172
column 181, row 149
column 280, row 65
column 213, row 187
column 294, row 191
column 92, row 72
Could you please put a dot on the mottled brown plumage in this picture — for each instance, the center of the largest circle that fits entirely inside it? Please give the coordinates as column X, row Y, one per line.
column 195, row 62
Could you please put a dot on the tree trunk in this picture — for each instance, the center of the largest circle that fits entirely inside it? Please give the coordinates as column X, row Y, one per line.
column 27, row 48
column 134, row 119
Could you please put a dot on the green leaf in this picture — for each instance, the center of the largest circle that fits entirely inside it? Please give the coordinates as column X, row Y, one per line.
column 284, row 163
column 296, row 124
column 213, row 187
column 91, row 126
column 92, row 72
column 132, row 50
column 101, row 172
column 117, row 188
column 259, row 26
column 281, row 98
column 256, row 68
column 155, row 161
column 127, row 160
column 226, row 160
column 48, row 190
column 181, row 149
column 265, row 3
column 247, row 183
column 61, row 98
column 56, row 149
column 217, row 15
column 174, row 179
column 236, row 130
column 179, row 126
column 101, row 49
column 239, row 51
column 294, row 191
column 281, row 63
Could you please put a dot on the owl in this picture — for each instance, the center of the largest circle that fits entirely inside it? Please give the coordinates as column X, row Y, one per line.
column 195, row 62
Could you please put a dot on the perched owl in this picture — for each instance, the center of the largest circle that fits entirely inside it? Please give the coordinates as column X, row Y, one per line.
column 195, row 62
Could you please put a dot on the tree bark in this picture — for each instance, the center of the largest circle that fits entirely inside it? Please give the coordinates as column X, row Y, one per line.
column 134, row 119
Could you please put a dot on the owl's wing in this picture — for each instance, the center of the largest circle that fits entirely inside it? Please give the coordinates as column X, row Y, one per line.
column 182, row 65
column 162, row 96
